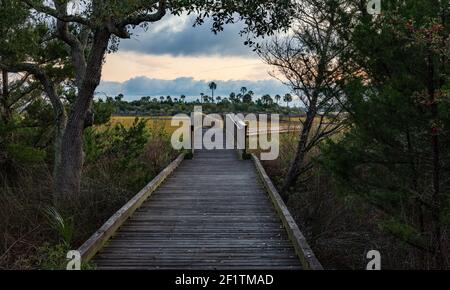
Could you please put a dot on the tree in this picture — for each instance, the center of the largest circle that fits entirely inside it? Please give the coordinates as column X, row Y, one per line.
column 308, row 61
column 267, row 100
column 212, row 86
column 27, row 47
column 247, row 98
column 277, row 98
column 183, row 98
column 287, row 98
column 233, row 98
column 95, row 30
column 393, row 155
column 119, row 98
column 169, row 100
column 243, row 91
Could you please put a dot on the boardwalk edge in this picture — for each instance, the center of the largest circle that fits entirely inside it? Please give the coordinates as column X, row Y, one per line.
column 107, row 230
column 302, row 249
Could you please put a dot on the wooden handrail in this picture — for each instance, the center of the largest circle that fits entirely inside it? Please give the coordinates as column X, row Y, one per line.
column 240, row 125
column 192, row 140
column 302, row 249
column 107, row 230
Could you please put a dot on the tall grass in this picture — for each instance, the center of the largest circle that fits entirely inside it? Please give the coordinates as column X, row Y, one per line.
column 339, row 230
column 33, row 235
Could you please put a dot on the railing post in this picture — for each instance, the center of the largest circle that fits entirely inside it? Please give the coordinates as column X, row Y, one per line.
column 192, row 139
column 246, row 127
column 235, row 133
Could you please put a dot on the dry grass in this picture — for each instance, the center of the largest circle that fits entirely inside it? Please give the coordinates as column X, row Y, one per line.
column 340, row 231
column 24, row 229
column 152, row 122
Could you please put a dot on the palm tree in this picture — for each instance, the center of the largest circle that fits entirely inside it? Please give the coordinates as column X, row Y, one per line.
column 219, row 98
column 119, row 98
column 267, row 100
column 161, row 98
column 212, row 87
column 278, row 98
column 243, row 90
column 182, row 98
column 287, row 98
column 202, row 95
column 247, row 98
column 233, row 97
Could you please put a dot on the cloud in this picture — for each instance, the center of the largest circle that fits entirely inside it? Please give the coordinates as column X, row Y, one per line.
column 175, row 35
column 143, row 86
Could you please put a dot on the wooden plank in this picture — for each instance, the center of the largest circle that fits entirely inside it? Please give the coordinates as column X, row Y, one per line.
column 212, row 213
column 303, row 250
column 101, row 236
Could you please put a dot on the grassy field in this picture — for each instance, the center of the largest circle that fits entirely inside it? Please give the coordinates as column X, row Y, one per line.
column 165, row 122
column 153, row 123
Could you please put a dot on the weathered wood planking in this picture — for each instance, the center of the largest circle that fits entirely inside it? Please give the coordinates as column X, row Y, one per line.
column 304, row 252
column 100, row 237
column 211, row 213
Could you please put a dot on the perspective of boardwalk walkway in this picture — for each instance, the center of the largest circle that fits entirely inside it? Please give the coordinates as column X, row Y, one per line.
column 211, row 212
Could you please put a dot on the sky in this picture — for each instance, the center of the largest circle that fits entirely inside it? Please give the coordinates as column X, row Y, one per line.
column 173, row 58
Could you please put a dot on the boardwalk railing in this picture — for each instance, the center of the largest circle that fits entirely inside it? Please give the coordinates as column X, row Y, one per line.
column 245, row 187
column 240, row 129
column 302, row 249
column 102, row 235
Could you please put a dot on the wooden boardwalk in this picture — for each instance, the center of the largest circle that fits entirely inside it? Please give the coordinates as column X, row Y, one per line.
column 211, row 213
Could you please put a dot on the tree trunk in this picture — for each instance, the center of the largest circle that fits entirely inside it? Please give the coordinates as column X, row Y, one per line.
column 437, row 197
column 296, row 165
column 422, row 256
column 68, row 170
column 5, row 110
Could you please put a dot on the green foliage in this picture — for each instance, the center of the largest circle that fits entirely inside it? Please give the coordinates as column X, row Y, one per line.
column 386, row 155
column 24, row 154
column 235, row 103
column 120, row 149
column 63, row 226
column 55, row 258
column 403, row 232
column 19, row 148
column 118, row 142
column 102, row 112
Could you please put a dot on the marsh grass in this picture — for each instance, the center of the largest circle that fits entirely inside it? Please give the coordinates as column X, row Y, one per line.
column 339, row 230
column 34, row 235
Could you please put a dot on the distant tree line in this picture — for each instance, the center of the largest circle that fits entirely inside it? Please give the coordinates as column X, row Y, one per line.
column 242, row 102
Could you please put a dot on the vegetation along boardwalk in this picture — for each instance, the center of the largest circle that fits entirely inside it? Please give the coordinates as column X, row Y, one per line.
column 211, row 212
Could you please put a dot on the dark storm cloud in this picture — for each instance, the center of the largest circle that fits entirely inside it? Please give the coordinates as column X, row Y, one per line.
column 176, row 36
column 143, row 86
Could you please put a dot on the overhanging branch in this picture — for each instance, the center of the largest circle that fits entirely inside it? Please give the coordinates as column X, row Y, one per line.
column 53, row 12
column 145, row 17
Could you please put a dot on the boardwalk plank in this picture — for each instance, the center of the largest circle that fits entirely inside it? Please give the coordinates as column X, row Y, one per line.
column 211, row 213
